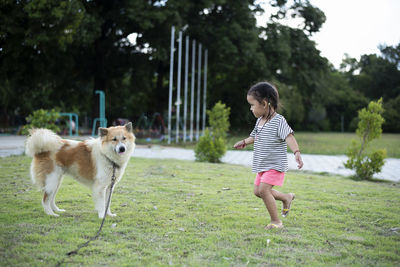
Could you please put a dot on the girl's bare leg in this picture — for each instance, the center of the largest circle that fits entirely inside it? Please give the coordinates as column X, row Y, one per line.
column 265, row 193
column 285, row 198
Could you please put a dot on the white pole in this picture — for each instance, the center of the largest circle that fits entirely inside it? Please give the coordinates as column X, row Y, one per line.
column 171, row 81
column 205, row 89
column 186, row 88
column 192, row 90
column 198, row 96
column 178, row 94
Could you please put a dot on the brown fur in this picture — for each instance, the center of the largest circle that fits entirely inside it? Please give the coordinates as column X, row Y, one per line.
column 43, row 165
column 79, row 159
column 80, row 155
column 117, row 131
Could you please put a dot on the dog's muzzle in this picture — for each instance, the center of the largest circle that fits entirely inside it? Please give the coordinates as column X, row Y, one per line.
column 120, row 148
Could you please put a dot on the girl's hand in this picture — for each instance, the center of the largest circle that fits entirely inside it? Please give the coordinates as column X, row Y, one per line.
column 298, row 160
column 240, row 145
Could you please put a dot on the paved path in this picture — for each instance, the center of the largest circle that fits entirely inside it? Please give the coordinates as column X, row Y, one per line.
column 14, row 145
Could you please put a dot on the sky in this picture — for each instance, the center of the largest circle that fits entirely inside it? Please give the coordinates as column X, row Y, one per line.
column 355, row 27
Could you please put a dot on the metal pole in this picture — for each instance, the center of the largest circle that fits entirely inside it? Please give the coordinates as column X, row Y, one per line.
column 186, row 88
column 192, row 90
column 205, row 89
column 198, row 95
column 178, row 94
column 171, row 81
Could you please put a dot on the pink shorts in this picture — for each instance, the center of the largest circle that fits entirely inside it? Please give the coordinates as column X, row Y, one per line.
column 272, row 177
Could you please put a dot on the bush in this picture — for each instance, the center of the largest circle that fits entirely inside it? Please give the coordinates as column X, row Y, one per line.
column 369, row 128
column 210, row 149
column 212, row 146
column 42, row 118
column 218, row 118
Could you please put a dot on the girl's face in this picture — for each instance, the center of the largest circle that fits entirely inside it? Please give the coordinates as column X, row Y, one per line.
column 258, row 109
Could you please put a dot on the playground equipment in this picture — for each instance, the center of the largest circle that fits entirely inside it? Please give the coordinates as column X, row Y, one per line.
column 71, row 122
column 150, row 128
column 102, row 119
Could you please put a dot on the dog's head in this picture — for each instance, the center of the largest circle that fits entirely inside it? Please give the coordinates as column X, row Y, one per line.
column 118, row 140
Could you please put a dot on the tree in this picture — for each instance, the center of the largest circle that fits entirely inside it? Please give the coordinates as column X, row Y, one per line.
column 391, row 54
column 374, row 77
column 369, row 128
column 34, row 37
column 293, row 60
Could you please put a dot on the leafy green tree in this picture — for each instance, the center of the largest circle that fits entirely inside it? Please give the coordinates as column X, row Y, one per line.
column 369, row 128
column 376, row 76
column 227, row 28
column 313, row 17
column 34, row 38
column 392, row 54
column 294, row 61
column 291, row 103
column 57, row 53
column 392, row 115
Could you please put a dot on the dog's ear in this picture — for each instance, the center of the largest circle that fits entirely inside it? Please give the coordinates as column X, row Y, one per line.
column 103, row 131
column 128, row 127
column 32, row 131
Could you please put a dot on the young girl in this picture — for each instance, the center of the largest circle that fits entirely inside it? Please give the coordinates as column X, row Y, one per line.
column 270, row 136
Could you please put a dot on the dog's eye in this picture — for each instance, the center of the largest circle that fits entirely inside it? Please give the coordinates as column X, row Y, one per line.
column 114, row 139
column 124, row 138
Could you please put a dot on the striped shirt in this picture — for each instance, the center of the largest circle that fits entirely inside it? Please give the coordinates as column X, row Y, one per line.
column 270, row 148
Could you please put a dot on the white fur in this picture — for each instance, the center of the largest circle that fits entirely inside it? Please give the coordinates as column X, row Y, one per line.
column 42, row 140
column 53, row 181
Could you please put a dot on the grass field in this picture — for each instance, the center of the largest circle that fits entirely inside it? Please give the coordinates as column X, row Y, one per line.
column 184, row 213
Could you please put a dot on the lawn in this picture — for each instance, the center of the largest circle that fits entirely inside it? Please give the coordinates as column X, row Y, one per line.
column 184, row 213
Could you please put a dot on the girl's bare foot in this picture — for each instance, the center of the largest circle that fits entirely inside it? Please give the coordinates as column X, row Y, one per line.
column 287, row 204
column 274, row 225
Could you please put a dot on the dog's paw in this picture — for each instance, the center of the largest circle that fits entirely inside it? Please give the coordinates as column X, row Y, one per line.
column 111, row 214
column 52, row 214
column 59, row 210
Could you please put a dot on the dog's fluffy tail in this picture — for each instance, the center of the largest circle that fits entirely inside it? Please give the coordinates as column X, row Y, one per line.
column 42, row 140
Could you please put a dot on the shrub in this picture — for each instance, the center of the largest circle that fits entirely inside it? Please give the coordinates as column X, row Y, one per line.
column 212, row 146
column 210, row 149
column 369, row 128
column 42, row 118
column 218, row 118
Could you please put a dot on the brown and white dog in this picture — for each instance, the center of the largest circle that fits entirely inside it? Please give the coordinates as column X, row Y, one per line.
column 89, row 162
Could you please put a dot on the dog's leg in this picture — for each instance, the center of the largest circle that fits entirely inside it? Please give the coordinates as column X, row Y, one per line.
column 99, row 199
column 53, row 201
column 50, row 190
column 109, row 206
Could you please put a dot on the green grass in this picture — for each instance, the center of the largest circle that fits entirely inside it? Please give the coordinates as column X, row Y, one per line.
column 336, row 143
column 178, row 213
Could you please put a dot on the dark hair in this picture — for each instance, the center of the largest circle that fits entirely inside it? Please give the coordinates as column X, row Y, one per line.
column 265, row 91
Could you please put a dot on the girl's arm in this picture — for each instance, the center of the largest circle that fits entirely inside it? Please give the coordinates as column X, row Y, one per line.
column 291, row 141
column 242, row 143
